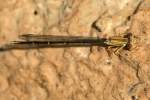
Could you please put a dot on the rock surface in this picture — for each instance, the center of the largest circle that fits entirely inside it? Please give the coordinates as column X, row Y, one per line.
column 75, row 73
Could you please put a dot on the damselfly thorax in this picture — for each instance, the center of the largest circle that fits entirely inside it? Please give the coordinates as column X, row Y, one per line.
column 120, row 42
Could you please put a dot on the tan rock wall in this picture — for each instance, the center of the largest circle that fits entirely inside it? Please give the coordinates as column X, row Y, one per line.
column 75, row 73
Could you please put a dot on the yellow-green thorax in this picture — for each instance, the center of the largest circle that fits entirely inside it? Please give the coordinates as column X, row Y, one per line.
column 117, row 41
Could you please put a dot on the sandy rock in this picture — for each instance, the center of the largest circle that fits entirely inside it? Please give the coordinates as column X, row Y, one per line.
column 91, row 73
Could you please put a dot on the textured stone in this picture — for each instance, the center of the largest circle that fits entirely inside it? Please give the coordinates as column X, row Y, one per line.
column 94, row 73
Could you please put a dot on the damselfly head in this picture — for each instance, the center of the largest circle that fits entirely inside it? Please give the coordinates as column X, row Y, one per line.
column 133, row 41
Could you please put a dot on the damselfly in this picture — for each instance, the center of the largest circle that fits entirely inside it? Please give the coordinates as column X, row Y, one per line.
column 30, row 41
